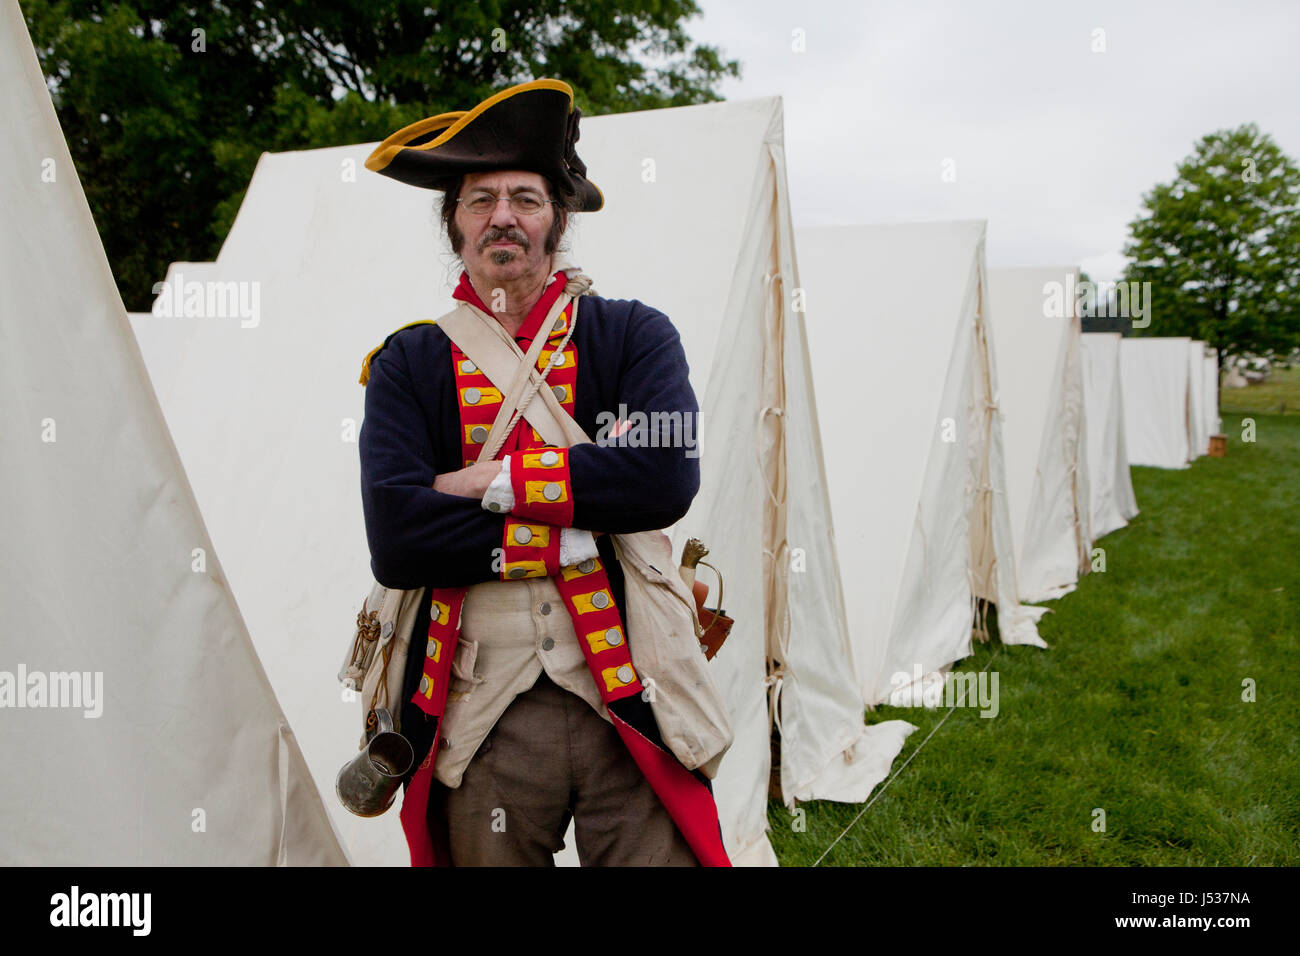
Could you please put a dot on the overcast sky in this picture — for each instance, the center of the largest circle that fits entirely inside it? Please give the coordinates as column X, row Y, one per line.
column 1052, row 143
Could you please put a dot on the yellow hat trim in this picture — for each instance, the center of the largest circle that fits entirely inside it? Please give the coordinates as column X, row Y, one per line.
column 390, row 147
column 394, row 143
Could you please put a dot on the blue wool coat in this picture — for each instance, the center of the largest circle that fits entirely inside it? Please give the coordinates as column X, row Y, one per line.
column 629, row 359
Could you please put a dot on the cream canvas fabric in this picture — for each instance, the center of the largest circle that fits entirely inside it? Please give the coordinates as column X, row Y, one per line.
column 265, row 412
column 1036, row 333
column 1110, row 484
column 1154, row 379
column 1198, row 427
column 1211, row 379
column 916, row 468
column 107, row 570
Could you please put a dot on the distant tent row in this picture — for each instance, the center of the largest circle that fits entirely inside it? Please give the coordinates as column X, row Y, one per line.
column 1209, row 405
column 913, row 448
column 1110, row 484
column 1171, row 405
column 892, row 440
column 1040, row 390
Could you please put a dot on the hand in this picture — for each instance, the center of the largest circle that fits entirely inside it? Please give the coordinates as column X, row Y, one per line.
column 470, row 482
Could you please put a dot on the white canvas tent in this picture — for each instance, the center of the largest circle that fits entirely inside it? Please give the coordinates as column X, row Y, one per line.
column 265, row 414
column 1212, row 420
column 913, row 449
column 1110, row 485
column 138, row 725
column 1153, row 377
column 1036, row 332
column 1198, row 427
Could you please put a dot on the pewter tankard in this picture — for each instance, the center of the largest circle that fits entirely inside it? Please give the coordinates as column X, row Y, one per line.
column 368, row 783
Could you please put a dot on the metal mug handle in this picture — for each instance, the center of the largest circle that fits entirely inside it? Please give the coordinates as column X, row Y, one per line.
column 367, row 784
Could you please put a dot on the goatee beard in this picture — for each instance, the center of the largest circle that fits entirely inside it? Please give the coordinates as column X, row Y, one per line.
column 503, row 257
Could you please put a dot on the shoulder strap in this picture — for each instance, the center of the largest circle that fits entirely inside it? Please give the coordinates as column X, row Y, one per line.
column 488, row 346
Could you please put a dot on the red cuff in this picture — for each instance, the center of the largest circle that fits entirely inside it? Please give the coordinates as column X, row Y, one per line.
column 530, row 550
column 543, row 491
column 444, row 629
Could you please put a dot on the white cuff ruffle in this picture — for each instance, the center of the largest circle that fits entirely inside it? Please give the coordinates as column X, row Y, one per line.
column 576, row 546
column 500, row 495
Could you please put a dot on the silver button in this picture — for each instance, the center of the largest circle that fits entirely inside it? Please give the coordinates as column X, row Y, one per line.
column 559, row 324
column 549, row 458
column 548, row 644
column 586, row 567
column 551, row 492
column 478, row 434
column 517, row 572
column 557, row 358
column 600, row 599
column 523, row 535
column 386, row 630
column 472, row 395
column 561, row 393
column 430, row 649
column 468, row 368
column 624, row 674
column 424, row 685
column 494, row 506
column 613, row 638
column 545, row 608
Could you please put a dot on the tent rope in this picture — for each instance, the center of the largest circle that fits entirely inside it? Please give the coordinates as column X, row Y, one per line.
column 758, row 454
column 894, row 775
column 773, row 684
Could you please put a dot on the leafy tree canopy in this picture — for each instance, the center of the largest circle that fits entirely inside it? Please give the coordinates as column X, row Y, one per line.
column 1220, row 245
column 167, row 105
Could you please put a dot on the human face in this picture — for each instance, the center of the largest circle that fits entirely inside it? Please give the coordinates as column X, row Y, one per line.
column 504, row 246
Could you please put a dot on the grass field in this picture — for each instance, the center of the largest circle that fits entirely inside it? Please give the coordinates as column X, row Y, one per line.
column 1136, row 709
column 1280, row 394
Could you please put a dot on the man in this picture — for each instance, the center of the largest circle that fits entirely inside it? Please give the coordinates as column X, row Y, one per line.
column 538, row 715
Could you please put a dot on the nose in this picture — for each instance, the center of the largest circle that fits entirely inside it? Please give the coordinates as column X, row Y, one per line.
column 502, row 213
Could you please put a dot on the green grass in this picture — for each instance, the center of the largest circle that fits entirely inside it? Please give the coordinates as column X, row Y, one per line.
column 1280, row 394
column 1135, row 709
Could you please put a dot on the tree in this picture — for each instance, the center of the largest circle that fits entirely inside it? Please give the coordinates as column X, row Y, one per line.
column 1220, row 246
column 167, row 105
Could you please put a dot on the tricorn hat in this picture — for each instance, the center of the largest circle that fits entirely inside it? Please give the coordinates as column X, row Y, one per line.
column 532, row 126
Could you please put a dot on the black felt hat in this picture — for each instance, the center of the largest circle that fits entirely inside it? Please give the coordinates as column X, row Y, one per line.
column 532, row 126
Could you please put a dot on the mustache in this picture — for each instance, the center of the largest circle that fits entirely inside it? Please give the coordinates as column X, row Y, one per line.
column 499, row 234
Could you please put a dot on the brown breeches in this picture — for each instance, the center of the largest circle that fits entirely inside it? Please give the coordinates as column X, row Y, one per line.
column 551, row 757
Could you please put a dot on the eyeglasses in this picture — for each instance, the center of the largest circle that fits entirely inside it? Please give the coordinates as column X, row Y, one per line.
column 526, row 204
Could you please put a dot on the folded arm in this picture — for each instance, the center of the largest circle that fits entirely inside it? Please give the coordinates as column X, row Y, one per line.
column 642, row 471
column 418, row 535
